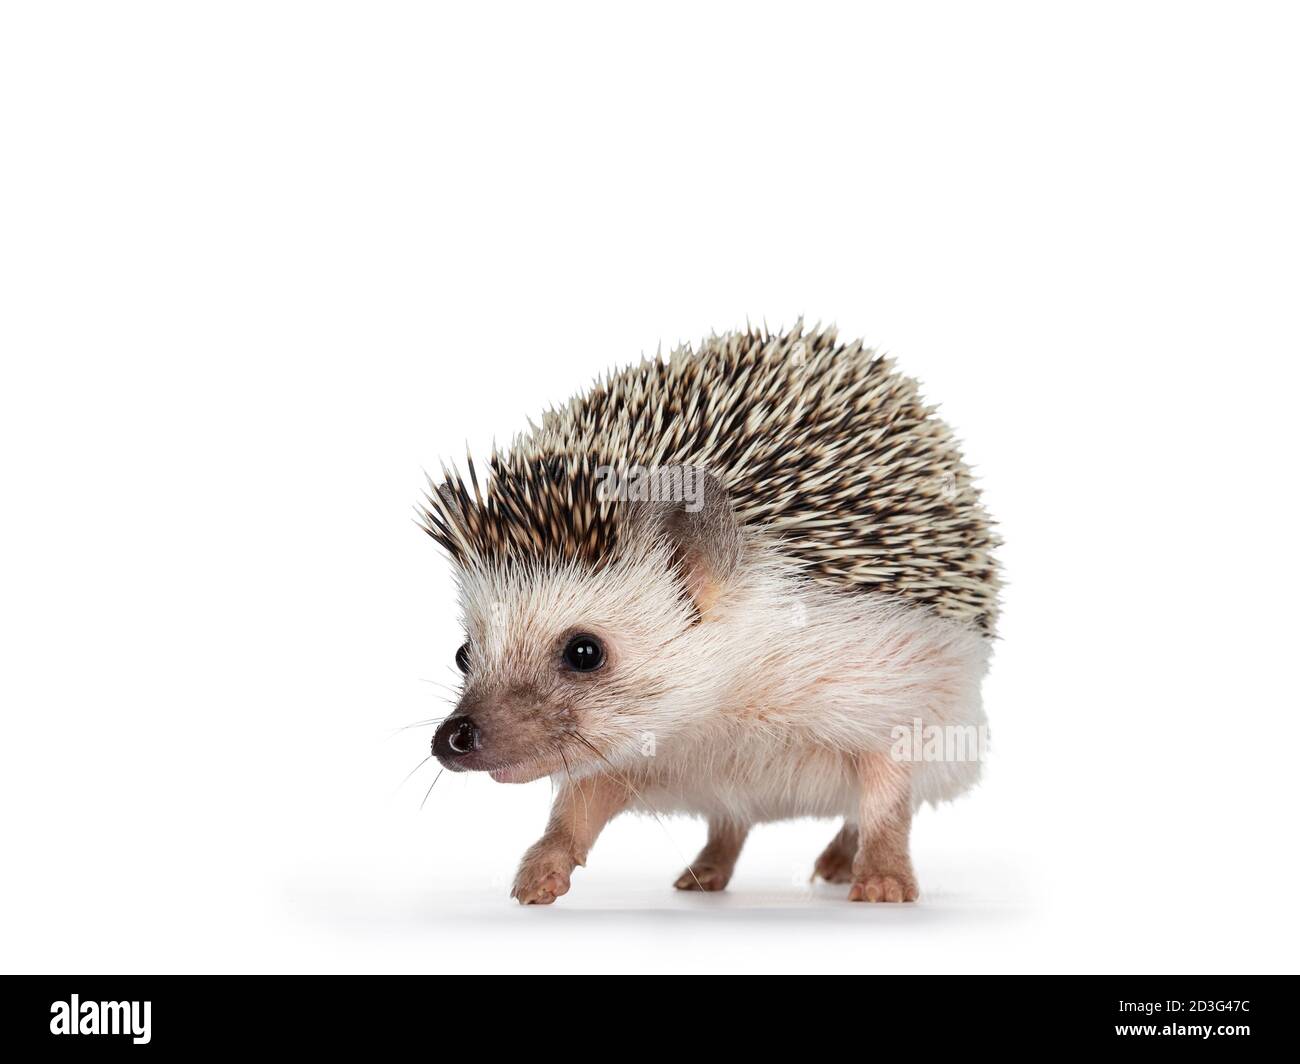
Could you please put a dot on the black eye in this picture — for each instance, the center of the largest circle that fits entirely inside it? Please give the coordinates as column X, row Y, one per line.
column 584, row 653
column 462, row 658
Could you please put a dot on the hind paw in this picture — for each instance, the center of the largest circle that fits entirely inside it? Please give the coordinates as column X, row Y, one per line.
column 898, row 886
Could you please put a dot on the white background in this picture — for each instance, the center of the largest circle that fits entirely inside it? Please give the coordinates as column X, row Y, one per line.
column 262, row 263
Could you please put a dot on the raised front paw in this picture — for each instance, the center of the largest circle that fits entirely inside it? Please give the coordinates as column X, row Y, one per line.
column 885, row 886
column 704, row 876
column 542, row 877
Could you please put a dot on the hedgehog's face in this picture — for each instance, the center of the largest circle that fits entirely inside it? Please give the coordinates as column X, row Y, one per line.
column 569, row 667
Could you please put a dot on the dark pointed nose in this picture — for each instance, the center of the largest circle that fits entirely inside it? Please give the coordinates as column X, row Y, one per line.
column 455, row 737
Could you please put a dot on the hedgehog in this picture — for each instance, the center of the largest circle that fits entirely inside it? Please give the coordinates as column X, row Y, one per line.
column 748, row 582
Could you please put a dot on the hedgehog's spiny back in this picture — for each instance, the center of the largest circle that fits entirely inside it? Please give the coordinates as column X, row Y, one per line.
column 821, row 443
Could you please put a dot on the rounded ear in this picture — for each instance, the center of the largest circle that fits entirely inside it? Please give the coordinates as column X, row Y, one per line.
column 690, row 508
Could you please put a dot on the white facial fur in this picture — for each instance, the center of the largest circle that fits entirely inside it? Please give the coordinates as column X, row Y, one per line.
column 753, row 711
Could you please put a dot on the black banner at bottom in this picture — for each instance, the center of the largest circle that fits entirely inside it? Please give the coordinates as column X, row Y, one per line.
column 162, row 1013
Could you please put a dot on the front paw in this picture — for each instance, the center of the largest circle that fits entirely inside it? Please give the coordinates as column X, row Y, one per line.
column 885, row 886
column 835, row 865
column 704, row 876
column 542, row 877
